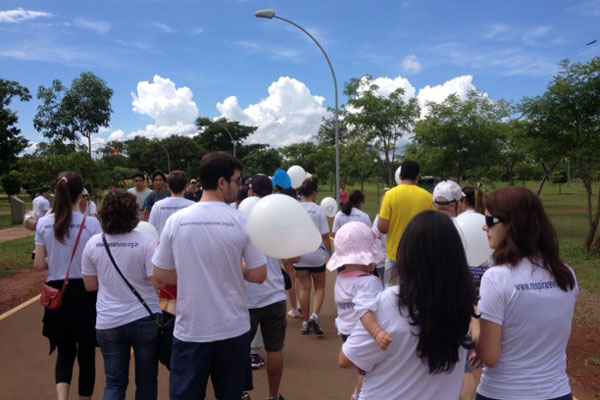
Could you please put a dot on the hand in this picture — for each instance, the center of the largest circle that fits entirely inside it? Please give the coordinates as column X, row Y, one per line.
column 474, row 360
column 383, row 339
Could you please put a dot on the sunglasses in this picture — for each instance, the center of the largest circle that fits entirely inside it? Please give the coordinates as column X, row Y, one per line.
column 490, row 221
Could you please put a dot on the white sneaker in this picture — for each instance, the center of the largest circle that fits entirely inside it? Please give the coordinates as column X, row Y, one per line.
column 315, row 318
column 294, row 313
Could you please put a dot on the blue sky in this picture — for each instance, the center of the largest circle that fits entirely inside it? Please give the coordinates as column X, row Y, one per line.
column 215, row 58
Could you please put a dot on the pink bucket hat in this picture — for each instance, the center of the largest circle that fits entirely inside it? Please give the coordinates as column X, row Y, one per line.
column 355, row 243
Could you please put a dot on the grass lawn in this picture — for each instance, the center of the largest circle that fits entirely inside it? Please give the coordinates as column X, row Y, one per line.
column 15, row 255
column 5, row 219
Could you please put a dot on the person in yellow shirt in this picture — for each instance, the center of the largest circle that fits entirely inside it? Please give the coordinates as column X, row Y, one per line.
column 400, row 205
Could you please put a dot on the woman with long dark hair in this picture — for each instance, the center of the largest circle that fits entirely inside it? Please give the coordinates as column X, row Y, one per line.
column 310, row 269
column 123, row 322
column 61, row 236
column 351, row 211
column 428, row 317
column 527, row 302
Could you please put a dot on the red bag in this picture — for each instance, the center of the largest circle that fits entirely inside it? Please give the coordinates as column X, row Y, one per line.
column 52, row 298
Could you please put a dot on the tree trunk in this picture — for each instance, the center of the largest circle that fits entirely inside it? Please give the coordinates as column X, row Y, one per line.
column 592, row 224
column 594, row 228
column 90, row 145
column 547, row 173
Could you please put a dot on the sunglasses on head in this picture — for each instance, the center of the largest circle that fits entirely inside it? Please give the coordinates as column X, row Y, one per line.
column 490, row 221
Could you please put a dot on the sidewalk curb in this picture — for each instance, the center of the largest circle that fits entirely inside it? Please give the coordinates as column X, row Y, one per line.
column 19, row 307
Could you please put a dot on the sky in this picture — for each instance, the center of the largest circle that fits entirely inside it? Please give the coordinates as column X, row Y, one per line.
column 169, row 62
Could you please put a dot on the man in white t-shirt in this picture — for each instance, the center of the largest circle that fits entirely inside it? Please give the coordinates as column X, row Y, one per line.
column 201, row 251
column 140, row 191
column 41, row 204
column 447, row 196
column 164, row 208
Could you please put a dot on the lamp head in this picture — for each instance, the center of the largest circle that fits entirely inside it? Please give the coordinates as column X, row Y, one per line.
column 268, row 13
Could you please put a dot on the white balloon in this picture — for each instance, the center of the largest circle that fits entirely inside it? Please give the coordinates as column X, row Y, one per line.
column 397, row 175
column 329, row 206
column 297, row 175
column 148, row 229
column 477, row 246
column 308, row 176
column 281, row 228
column 247, row 205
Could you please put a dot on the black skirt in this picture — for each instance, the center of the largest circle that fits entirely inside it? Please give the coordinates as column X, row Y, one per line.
column 75, row 321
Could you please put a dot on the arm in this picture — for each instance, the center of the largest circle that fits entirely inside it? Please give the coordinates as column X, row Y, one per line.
column 255, row 275
column 327, row 241
column 90, row 283
column 343, row 361
column 163, row 277
column 489, row 343
column 39, row 262
column 370, row 323
column 383, row 225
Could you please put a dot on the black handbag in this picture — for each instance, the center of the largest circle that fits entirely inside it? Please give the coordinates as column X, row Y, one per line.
column 164, row 320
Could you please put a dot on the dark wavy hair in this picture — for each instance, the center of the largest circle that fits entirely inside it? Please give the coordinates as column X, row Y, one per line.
column 355, row 200
column 530, row 233
column 473, row 198
column 308, row 187
column 436, row 289
column 119, row 212
column 69, row 186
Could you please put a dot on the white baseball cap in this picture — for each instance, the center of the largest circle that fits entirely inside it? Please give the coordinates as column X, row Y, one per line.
column 447, row 192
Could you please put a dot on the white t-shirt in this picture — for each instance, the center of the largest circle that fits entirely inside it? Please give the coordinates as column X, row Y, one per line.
column 381, row 239
column 355, row 294
column 478, row 238
column 59, row 254
column 164, row 208
column 92, row 210
column 398, row 373
column 41, row 206
column 355, row 215
column 117, row 305
column 205, row 243
column 140, row 197
column 271, row 291
column 535, row 315
column 317, row 258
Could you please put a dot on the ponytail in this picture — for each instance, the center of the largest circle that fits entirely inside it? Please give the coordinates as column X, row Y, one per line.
column 356, row 199
column 68, row 188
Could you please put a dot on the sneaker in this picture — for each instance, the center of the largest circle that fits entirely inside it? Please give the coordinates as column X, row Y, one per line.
column 306, row 328
column 315, row 327
column 256, row 361
column 295, row 313
column 245, row 396
column 315, row 317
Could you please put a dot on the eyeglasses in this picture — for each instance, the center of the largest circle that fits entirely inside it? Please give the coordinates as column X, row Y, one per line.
column 490, row 221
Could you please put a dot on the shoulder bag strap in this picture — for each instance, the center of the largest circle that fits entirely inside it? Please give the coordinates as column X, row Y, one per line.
column 77, row 240
column 135, row 292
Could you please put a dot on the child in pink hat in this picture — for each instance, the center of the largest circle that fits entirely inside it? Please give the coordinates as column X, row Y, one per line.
column 357, row 252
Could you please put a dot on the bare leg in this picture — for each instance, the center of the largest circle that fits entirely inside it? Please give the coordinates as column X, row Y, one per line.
column 319, row 282
column 293, row 299
column 274, row 372
column 62, row 391
column 303, row 278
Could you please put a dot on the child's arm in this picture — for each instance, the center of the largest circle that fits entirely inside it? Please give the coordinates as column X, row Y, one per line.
column 370, row 323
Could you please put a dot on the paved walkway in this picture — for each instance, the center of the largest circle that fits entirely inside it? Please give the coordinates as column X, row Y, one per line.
column 310, row 372
column 16, row 232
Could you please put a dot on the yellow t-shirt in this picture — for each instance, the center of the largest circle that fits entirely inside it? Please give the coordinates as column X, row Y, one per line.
column 400, row 205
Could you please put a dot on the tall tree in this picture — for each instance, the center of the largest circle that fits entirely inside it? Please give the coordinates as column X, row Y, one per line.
column 381, row 120
column 565, row 122
column 222, row 134
column 459, row 138
column 78, row 111
column 11, row 140
column 262, row 161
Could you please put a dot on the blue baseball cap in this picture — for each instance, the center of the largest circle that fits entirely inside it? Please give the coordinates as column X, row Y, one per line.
column 282, row 179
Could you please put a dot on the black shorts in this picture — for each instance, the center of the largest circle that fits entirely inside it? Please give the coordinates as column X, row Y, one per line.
column 312, row 270
column 344, row 337
column 273, row 321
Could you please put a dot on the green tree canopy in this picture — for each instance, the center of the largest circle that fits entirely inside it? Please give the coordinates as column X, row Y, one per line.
column 11, row 141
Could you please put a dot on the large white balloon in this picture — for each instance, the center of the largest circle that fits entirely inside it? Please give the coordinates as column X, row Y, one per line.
column 148, row 229
column 297, row 175
column 477, row 246
column 281, row 228
column 397, row 175
column 247, row 205
column 329, row 206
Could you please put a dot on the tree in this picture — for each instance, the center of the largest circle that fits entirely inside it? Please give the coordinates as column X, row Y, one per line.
column 262, row 161
column 380, row 120
column 221, row 134
column 565, row 122
column 11, row 183
column 67, row 114
column 460, row 138
column 11, row 141
column 326, row 134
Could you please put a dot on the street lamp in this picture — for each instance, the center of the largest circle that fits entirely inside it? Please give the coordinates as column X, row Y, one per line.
column 230, row 137
column 270, row 14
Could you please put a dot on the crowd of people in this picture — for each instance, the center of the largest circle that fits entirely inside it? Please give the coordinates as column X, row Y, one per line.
column 417, row 317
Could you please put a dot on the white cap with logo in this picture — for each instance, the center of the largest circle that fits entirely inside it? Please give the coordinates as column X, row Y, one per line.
column 447, row 192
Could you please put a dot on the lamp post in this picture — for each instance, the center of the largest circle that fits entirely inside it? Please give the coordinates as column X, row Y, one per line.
column 270, row 14
column 230, row 137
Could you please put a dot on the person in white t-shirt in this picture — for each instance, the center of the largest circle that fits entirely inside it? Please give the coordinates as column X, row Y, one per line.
column 41, row 204
column 60, row 238
column 427, row 317
column 141, row 192
column 123, row 323
column 356, row 288
column 267, row 303
column 351, row 211
column 447, row 196
column 527, row 303
column 201, row 251
column 87, row 205
column 310, row 269
column 164, row 208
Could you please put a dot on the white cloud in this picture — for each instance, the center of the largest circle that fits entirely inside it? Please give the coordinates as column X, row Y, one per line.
column 532, row 37
column 101, row 27
column 497, row 31
column 117, row 136
column 589, row 8
column 21, row 15
column 459, row 86
column 163, row 27
column 289, row 114
column 410, row 64
column 386, row 85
